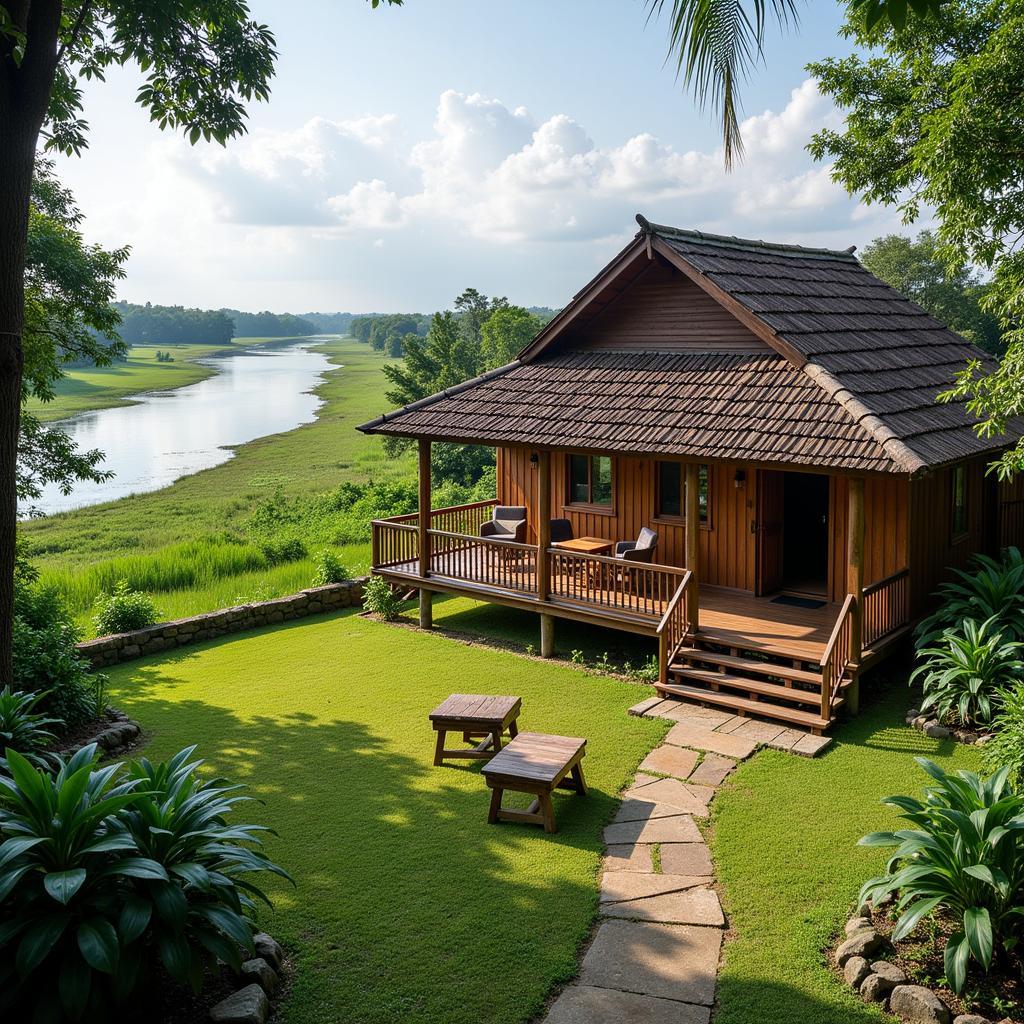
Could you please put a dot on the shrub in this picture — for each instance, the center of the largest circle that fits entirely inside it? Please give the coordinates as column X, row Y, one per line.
column 329, row 569
column 964, row 859
column 102, row 875
column 124, row 610
column 994, row 590
column 280, row 552
column 21, row 727
column 1006, row 747
column 965, row 669
column 46, row 662
column 379, row 598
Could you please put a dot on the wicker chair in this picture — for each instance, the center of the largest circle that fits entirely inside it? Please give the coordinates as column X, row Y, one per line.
column 561, row 529
column 639, row 550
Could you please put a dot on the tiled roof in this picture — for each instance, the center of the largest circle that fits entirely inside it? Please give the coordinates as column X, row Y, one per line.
column 727, row 406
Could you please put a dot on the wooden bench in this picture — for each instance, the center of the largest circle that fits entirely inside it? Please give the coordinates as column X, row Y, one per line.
column 474, row 715
column 539, row 764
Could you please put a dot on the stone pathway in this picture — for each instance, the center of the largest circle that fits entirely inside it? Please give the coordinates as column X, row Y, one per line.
column 654, row 958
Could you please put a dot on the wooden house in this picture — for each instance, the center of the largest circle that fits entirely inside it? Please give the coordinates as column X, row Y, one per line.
column 770, row 412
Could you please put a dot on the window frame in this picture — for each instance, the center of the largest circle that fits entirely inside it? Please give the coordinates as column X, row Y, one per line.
column 590, row 505
column 959, row 510
column 680, row 520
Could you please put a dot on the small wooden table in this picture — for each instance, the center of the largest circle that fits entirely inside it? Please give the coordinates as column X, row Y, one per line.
column 586, row 545
column 539, row 764
column 474, row 714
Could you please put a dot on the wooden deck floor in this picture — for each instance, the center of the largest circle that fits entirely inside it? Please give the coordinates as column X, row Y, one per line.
column 728, row 617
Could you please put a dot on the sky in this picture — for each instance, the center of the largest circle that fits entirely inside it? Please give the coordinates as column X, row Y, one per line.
column 408, row 153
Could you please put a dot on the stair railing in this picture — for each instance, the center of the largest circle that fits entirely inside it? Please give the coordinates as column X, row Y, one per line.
column 838, row 657
column 674, row 628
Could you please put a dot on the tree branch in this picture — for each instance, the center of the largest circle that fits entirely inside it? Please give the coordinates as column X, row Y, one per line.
column 68, row 43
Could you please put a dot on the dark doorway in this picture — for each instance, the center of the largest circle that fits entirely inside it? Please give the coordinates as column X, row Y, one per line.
column 805, row 533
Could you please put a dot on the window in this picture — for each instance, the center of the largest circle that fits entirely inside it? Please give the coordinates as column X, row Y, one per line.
column 959, row 516
column 670, row 483
column 590, row 480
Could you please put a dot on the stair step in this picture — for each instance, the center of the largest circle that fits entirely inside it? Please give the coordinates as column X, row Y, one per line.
column 797, row 675
column 708, row 677
column 752, row 707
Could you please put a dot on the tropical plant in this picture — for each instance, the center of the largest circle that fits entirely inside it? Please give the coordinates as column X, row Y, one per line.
column 329, row 569
column 964, row 858
column 964, row 671
column 124, row 610
column 21, row 728
column 178, row 822
column 104, row 874
column 1006, row 746
column 990, row 589
column 379, row 598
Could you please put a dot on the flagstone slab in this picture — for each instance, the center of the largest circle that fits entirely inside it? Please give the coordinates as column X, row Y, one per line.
column 694, row 906
column 811, row 746
column 678, row 829
column 684, row 735
column 669, row 760
column 631, row 885
column 713, row 770
column 669, row 961
column 645, row 706
column 733, row 723
column 760, row 732
column 643, row 779
column 628, row 857
column 636, row 808
column 709, row 718
column 671, row 792
column 686, row 859
column 786, row 739
column 584, row 1004
column 705, row 794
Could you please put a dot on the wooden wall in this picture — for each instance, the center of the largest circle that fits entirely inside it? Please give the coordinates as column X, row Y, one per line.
column 664, row 310
column 1011, row 512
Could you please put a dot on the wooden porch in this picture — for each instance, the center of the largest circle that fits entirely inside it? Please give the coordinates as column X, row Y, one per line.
column 797, row 662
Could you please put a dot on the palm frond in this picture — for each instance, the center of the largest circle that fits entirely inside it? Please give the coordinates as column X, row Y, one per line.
column 714, row 44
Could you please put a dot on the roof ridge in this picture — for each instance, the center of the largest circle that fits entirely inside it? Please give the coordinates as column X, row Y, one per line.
column 735, row 242
column 895, row 447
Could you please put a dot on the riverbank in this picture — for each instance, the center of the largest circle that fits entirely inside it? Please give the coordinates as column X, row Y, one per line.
column 105, row 387
column 308, row 460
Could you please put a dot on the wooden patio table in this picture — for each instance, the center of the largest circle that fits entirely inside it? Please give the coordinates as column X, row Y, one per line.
column 539, row 764
column 586, row 545
column 474, row 714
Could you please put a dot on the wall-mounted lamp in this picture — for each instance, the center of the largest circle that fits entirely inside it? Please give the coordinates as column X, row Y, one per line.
column 740, row 478
column 534, row 460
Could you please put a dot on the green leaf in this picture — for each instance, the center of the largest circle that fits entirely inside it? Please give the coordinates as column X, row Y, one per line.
column 170, row 904
column 62, row 885
column 73, row 984
column 135, row 917
column 16, row 846
column 98, row 942
column 978, row 929
column 955, row 957
column 174, row 952
column 38, row 940
column 195, row 874
column 909, row 921
column 137, row 867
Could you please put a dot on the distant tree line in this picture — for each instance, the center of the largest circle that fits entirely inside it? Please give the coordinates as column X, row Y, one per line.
column 386, row 332
column 329, row 323
column 173, row 325
column 270, row 325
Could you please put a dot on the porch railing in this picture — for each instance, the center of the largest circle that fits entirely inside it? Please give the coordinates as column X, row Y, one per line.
column 674, row 628
column 838, row 657
column 612, row 583
column 395, row 540
column 886, row 607
column 484, row 560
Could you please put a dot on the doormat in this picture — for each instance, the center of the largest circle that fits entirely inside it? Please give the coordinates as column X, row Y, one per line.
column 798, row 602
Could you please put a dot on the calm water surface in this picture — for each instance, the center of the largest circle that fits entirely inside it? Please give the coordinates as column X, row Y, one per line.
column 169, row 434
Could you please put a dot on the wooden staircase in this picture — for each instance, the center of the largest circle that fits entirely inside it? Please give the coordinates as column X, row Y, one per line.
column 751, row 681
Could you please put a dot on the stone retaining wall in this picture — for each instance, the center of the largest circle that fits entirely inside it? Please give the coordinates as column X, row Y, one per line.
column 111, row 650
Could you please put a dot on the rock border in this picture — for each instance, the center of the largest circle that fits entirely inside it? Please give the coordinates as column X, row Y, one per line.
column 930, row 725
column 860, row 959
column 258, row 980
column 115, row 734
column 105, row 651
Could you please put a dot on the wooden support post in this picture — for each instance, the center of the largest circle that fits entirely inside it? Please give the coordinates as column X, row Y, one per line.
column 547, row 636
column 543, row 526
column 426, row 609
column 693, row 544
column 662, row 658
column 424, row 510
column 855, row 581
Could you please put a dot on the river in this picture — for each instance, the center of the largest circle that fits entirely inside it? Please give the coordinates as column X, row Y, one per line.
column 165, row 435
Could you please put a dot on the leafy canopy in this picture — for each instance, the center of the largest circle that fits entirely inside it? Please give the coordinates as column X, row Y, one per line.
column 934, row 117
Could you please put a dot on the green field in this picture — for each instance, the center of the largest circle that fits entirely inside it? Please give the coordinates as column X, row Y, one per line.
column 408, row 906
column 306, row 461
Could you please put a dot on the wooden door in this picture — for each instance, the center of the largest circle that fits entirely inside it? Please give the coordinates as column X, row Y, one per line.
column 768, row 531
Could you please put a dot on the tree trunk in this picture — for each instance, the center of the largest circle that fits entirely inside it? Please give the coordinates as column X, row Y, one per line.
column 24, row 97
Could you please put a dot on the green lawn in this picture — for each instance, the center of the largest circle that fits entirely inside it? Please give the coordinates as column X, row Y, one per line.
column 785, row 830
column 409, row 906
